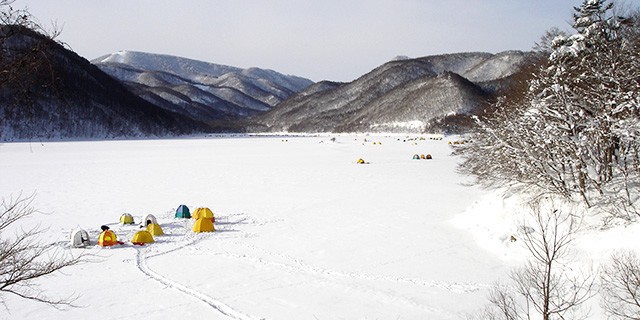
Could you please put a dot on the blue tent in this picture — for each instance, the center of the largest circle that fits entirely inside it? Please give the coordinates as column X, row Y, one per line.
column 183, row 212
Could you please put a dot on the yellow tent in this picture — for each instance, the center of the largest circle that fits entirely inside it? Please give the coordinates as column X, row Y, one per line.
column 155, row 229
column 126, row 218
column 203, row 213
column 107, row 238
column 360, row 161
column 203, row 225
column 141, row 237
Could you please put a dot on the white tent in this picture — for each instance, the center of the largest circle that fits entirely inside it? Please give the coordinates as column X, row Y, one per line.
column 149, row 219
column 79, row 238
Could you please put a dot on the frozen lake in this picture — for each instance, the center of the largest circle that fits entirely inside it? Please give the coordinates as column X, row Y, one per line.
column 303, row 232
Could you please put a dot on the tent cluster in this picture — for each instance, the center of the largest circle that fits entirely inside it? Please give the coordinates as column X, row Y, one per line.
column 422, row 157
column 149, row 228
column 203, row 217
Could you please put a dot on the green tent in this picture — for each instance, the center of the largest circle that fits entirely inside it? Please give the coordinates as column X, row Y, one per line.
column 183, row 212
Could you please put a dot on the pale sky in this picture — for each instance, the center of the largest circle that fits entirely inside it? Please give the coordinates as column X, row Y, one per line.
column 337, row 40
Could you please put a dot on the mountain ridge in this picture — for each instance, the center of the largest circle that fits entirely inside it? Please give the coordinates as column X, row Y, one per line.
column 198, row 89
column 426, row 90
column 56, row 94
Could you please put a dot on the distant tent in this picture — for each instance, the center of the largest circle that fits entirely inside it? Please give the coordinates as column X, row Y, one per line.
column 429, row 156
column 126, row 218
column 107, row 238
column 79, row 238
column 155, row 229
column 360, row 161
column 141, row 237
column 416, row 157
column 183, row 212
column 149, row 219
column 204, row 213
column 203, row 225
column 422, row 156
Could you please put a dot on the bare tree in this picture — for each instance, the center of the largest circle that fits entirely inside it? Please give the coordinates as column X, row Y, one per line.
column 545, row 286
column 25, row 61
column 24, row 259
column 621, row 286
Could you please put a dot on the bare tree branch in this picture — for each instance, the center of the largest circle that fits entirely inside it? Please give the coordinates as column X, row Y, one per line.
column 24, row 259
column 621, row 286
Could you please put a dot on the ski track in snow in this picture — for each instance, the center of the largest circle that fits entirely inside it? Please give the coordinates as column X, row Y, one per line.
column 291, row 265
column 336, row 277
column 296, row 265
column 141, row 263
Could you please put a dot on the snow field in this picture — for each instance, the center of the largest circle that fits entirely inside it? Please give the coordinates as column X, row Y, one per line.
column 303, row 232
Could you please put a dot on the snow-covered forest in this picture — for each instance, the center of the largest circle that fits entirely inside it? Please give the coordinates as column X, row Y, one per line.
column 571, row 145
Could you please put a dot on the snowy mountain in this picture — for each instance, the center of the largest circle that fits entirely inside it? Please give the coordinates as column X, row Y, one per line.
column 52, row 93
column 429, row 93
column 200, row 90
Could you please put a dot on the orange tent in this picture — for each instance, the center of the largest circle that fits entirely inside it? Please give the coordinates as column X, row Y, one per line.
column 107, row 238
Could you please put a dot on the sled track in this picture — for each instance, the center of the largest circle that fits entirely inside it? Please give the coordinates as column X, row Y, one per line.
column 141, row 263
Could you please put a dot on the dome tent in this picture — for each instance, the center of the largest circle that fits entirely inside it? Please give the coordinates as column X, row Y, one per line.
column 107, row 237
column 203, row 225
column 79, row 238
column 203, row 213
column 183, row 212
column 155, row 229
column 141, row 237
column 416, row 157
column 149, row 219
column 126, row 218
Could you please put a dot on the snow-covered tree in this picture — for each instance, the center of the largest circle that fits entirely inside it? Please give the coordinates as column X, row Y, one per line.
column 575, row 133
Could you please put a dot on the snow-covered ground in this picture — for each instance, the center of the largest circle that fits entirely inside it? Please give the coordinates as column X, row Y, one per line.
column 303, row 232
